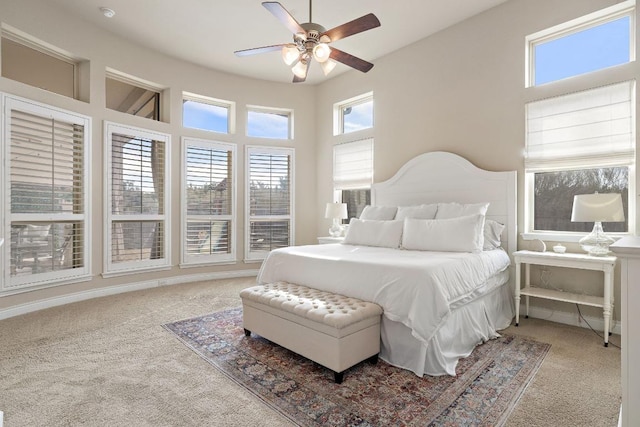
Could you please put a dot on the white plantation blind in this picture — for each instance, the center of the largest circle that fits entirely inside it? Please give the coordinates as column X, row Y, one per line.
column 270, row 200
column 46, row 164
column 209, row 181
column 270, row 179
column 47, row 201
column 353, row 165
column 592, row 128
column 137, row 212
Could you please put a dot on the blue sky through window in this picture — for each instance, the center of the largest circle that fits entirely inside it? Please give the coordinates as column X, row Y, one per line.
column 592, row 49
column 200, row 115
column 268, row 125
column 358, row 117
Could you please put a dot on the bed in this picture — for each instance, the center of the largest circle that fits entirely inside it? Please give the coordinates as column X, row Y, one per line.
column 441, row 296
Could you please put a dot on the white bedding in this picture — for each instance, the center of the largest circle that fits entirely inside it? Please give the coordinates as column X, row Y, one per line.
column 416, row 288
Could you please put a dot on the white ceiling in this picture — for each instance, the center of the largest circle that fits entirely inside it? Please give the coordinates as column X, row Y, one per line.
column 207, row 32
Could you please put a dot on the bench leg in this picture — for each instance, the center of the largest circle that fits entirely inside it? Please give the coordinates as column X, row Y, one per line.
column 247, row 333
column 338, row 377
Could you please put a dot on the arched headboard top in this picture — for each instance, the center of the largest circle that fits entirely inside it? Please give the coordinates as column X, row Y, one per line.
column 446, row 177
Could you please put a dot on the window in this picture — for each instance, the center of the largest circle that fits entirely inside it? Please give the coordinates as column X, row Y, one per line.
column 128, row 95
column 593, row 42
column 269, row 201
column 578, row 144
column 199, row 112
column 47, row 212
column 353, row 174
column 136, row 199
column 354, row 114
column 33, row 64
column 269, row 123
column 208, row 191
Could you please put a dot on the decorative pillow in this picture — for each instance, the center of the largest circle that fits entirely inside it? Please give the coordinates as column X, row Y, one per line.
column 492, row 232
column 462, row 234
column 385, row 234
column 417, row 212
column 378, row 213
column 454, row 210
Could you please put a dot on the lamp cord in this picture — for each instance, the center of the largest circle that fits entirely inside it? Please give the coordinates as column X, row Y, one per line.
column 594, row 331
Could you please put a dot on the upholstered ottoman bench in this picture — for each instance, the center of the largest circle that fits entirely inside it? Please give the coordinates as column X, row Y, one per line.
column 333, row 330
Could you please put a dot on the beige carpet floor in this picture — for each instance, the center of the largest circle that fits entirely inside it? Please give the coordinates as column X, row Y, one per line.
column 108, row 362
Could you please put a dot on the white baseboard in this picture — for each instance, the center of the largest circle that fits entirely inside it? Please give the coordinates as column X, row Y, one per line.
column 567, row 318
column 113, row 290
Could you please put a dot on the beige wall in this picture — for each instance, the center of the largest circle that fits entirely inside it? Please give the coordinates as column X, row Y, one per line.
column 460, row 90
column 102, row 49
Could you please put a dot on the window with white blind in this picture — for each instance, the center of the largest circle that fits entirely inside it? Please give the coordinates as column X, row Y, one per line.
column 269, row 200
column 208, row 201
column 579, row 143
column 136, row 202
column 46, row 217
column 353, row 174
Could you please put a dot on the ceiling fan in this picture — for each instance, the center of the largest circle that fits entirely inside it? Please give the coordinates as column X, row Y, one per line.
column 311, row 40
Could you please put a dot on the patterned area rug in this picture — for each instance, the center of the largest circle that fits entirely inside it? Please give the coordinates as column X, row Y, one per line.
column 484, row 392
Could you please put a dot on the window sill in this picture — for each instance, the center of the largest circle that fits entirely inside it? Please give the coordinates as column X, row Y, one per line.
column 116, row 273
column 563, row 237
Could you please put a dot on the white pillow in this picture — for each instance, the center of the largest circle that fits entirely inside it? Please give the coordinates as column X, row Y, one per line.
column 462, row 234
column 492, row 231
column 378, row 213
column 385, row 234
column 453, row 210
column 417, row 212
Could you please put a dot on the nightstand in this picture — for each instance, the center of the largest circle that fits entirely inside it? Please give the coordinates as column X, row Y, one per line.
column 328, row 239
column 606, row 264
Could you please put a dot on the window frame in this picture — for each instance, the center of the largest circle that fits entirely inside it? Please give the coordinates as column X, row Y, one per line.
column 339, row 189
column 228, row 258
column 592, row 20
column 229, row 105
column 17, row 284
column 115, row 269
column 575, row 164
column 338, row 113
column 139, row 83
column 276, row 111
column 259, row 256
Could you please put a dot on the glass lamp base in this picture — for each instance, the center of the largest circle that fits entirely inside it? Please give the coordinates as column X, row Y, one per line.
column 336, row 229
column 596, row 243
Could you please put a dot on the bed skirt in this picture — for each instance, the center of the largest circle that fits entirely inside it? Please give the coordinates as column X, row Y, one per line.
column 465, row 328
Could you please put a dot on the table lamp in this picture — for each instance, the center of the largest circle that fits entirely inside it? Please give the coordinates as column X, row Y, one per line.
column 599, row 208
column 336, row 211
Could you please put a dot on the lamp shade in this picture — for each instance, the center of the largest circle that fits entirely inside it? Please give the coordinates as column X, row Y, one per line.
column 336, row 211
column 605, row 207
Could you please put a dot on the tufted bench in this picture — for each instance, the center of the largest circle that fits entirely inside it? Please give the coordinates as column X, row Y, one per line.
column 333, row 330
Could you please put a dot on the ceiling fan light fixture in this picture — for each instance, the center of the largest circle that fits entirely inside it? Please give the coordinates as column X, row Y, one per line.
column 321, row 52
column 328, row 66
column 290, row 54
column 300, row 69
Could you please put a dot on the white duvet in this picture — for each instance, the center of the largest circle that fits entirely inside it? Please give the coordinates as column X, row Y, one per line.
column 417, row 288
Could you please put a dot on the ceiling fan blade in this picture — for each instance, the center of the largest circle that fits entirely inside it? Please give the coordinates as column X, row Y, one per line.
column 356, row 26
column 297, row 79
column 256, row 50
column 350, row 60
column 283, row 16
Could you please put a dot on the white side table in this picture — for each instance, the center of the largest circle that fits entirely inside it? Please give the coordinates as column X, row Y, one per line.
column 328, row 239
column 606, row 264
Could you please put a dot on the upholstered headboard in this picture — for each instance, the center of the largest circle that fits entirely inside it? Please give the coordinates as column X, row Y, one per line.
column 446, row 177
